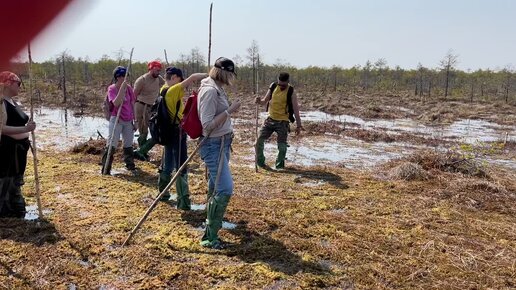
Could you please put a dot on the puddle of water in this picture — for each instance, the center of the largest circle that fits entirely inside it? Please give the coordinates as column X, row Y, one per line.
column 119, row 171
column 198, row 206
column 472, row 131
column 328, row 150
column 338, row 211
column 313, row 184
column 173, row 197
column 228, row 225
column 506, row 163
column 32, row 212
column 466, row 130
column 225, row 225
column 318, row 116
column 61, row 128
column 84, row 263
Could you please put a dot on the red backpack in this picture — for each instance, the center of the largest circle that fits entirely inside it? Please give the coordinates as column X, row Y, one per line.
column 191, row 123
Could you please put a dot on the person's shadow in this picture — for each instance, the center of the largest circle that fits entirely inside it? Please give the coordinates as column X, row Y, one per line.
column 37, row 232
column 141, row 177
column 256, row 247
column 304, row 175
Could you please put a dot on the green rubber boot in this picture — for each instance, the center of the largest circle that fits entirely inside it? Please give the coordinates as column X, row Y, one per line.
column 163, row 181
column 215, row 213
column 260, row 145
column 183, row 194
column 143, row 152
column 142, row 139
column 282, row 152
column 209, row 195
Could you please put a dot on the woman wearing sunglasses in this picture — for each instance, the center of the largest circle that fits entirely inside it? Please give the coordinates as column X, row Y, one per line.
column 14, row 144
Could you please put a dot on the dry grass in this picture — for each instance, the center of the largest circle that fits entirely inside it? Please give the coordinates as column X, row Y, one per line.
column 350, row 231
column 439, row 222
column 467, row 182
column 408, row 171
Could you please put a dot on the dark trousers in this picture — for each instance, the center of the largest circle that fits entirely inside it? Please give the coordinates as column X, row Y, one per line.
column 12, row 203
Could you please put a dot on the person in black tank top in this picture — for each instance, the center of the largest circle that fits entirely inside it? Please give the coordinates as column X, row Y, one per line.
column 14, row 144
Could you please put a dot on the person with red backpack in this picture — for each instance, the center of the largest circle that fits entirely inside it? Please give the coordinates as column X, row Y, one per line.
column 120, row 94
column 176, row 151
column 283, row 108
column 215, row 116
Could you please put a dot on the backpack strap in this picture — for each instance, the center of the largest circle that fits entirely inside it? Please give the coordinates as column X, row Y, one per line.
column 272, row 87
column 290, row 105
column 163, row 93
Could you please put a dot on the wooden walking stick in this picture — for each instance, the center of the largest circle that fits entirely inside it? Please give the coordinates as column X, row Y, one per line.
column 156, row 200
column 117, row 117
column 209, row 63
column 33, row 135
column 209, row 39
column 256, row 123
column 256, row 143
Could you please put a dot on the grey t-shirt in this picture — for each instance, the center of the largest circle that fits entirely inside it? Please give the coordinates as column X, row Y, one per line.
column 212, row 101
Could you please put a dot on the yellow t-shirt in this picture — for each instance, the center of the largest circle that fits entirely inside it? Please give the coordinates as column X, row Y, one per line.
column 278, row 108
column 174, row 93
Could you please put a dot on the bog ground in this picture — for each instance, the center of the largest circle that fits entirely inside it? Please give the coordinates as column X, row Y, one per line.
column 394, row 195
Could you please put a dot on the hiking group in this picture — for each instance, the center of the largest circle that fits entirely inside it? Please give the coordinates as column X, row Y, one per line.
column 158, row 105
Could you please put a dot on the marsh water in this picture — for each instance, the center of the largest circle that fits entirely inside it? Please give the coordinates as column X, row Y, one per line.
column 62, row 128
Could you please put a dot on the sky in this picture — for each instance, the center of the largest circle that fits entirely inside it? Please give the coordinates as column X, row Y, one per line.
column 301, row 32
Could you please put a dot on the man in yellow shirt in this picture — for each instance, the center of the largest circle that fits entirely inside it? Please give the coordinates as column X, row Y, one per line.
column 175, row 153
column 282, row 107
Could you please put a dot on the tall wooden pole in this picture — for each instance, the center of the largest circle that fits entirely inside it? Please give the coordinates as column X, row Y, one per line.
column 209, row 66
column 33, row 135
column 209, row 40
column 166, row 57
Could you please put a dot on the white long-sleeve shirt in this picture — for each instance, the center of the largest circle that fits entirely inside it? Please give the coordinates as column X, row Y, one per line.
column 212, row 101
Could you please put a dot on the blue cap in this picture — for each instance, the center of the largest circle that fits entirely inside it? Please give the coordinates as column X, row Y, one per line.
column 119, row 71
column 172, row 70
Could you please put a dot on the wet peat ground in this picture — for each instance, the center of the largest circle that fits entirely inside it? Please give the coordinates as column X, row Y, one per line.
column 365, row 203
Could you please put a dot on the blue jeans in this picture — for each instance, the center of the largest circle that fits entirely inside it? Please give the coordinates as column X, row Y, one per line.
column 210, row 153
column 172, row 160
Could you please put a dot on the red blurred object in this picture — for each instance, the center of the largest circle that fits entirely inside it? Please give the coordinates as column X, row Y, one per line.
column 22, row 20
column 154, row 64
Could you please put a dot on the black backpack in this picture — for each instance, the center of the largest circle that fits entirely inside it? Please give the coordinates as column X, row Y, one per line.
column 163, row 130
column 290, row 107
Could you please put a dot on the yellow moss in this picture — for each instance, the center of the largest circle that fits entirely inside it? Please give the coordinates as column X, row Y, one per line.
column 287, row 234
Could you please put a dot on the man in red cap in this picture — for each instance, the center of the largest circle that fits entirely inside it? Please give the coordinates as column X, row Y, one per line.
column 146, row 90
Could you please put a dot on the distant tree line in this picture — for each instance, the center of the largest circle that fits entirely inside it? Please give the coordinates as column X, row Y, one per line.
column 254, row 75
